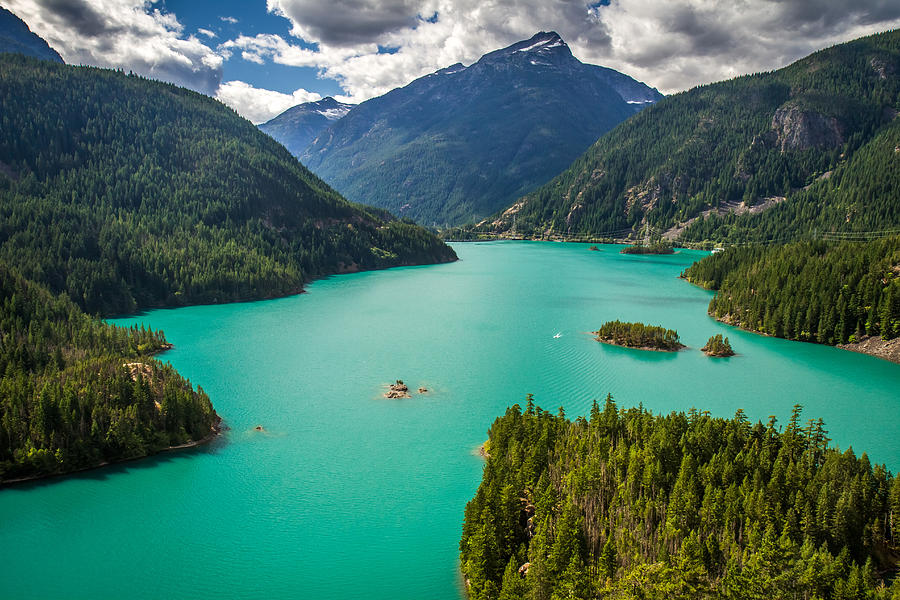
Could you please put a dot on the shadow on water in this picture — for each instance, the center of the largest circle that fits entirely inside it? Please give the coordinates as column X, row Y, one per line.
column 654, row 261
column 656, row 301
column 648, row 356
column 108, row 471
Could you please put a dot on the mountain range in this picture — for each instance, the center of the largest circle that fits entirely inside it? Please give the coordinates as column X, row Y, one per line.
column 803, row 150
column 464, row 141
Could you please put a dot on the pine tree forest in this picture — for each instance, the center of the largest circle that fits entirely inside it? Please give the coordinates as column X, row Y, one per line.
column 627, row 504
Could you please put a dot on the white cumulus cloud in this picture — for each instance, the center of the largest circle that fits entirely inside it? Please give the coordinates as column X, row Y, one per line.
column 126, row 34
column 260, row 105
column 669, row 44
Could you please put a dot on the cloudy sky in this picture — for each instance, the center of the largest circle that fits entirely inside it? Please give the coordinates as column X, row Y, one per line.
column 262, row 57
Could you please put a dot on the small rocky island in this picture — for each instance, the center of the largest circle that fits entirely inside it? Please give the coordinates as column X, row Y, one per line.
column 638, row 335
column 398, row 390
column 718, row 347
column 654, row 248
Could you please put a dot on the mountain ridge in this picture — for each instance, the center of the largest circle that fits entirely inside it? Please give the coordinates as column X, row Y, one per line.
column 462, row 141
column 737, row 160
column 299, row 125
column 16, row 37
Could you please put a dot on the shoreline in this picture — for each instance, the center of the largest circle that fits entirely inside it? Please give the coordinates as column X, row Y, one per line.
column 610, row 342
column 874, row 346
column 217, row 430
column 888, row 350
column 481, row 450
column 295, row 291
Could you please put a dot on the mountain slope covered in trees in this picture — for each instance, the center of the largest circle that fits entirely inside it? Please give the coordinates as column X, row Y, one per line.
column 464, row 141
column 831, row 293
column 76, row 393
column 821, row 133
column 127, row 193
column 627, row 504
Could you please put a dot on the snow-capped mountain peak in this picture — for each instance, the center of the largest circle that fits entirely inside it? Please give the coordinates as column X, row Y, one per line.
column 542, row 41
column 299, row 125
column 546, row 45
column 451, row 69
column 333, row 110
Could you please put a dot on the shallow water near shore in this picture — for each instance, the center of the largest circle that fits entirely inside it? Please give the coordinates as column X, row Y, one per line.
column 346, row 494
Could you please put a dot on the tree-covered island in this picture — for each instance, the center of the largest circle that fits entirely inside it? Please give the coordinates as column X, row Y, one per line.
column 638, row 335
column 627, row 504
column 660, row 247
column 717, row 346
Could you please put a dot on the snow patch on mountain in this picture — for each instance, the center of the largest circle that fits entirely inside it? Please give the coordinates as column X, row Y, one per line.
column 333, row 114
column 545, row 44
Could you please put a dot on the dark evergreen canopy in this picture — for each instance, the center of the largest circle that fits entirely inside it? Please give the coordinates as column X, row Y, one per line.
column 75, row 392
column 831, row 293
column 129, row 193
column 632, row 505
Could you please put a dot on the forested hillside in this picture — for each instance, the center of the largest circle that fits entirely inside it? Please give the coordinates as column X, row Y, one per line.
column 127, row 193
column 628, row 504
column 831, row 293
column 821, row 133
column 75, row 392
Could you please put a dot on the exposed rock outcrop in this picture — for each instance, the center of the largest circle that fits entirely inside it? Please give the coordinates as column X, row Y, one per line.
column 800, row 129
column 883, row 66
column 136, row 369
column 398, row 390
column 875, row 346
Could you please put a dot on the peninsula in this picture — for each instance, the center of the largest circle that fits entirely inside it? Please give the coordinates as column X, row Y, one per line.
column 844, row 294
column 626, row 499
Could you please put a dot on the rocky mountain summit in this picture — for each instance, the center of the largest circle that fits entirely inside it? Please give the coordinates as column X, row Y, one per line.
column 298, row 126
column 461, row 142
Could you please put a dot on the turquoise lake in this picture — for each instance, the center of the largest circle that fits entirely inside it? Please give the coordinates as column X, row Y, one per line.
column 349, row 495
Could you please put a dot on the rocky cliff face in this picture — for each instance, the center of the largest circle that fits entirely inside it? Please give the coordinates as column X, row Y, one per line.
column 801, row 129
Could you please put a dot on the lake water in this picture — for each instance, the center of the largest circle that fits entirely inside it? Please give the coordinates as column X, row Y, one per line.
column 349, row 495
